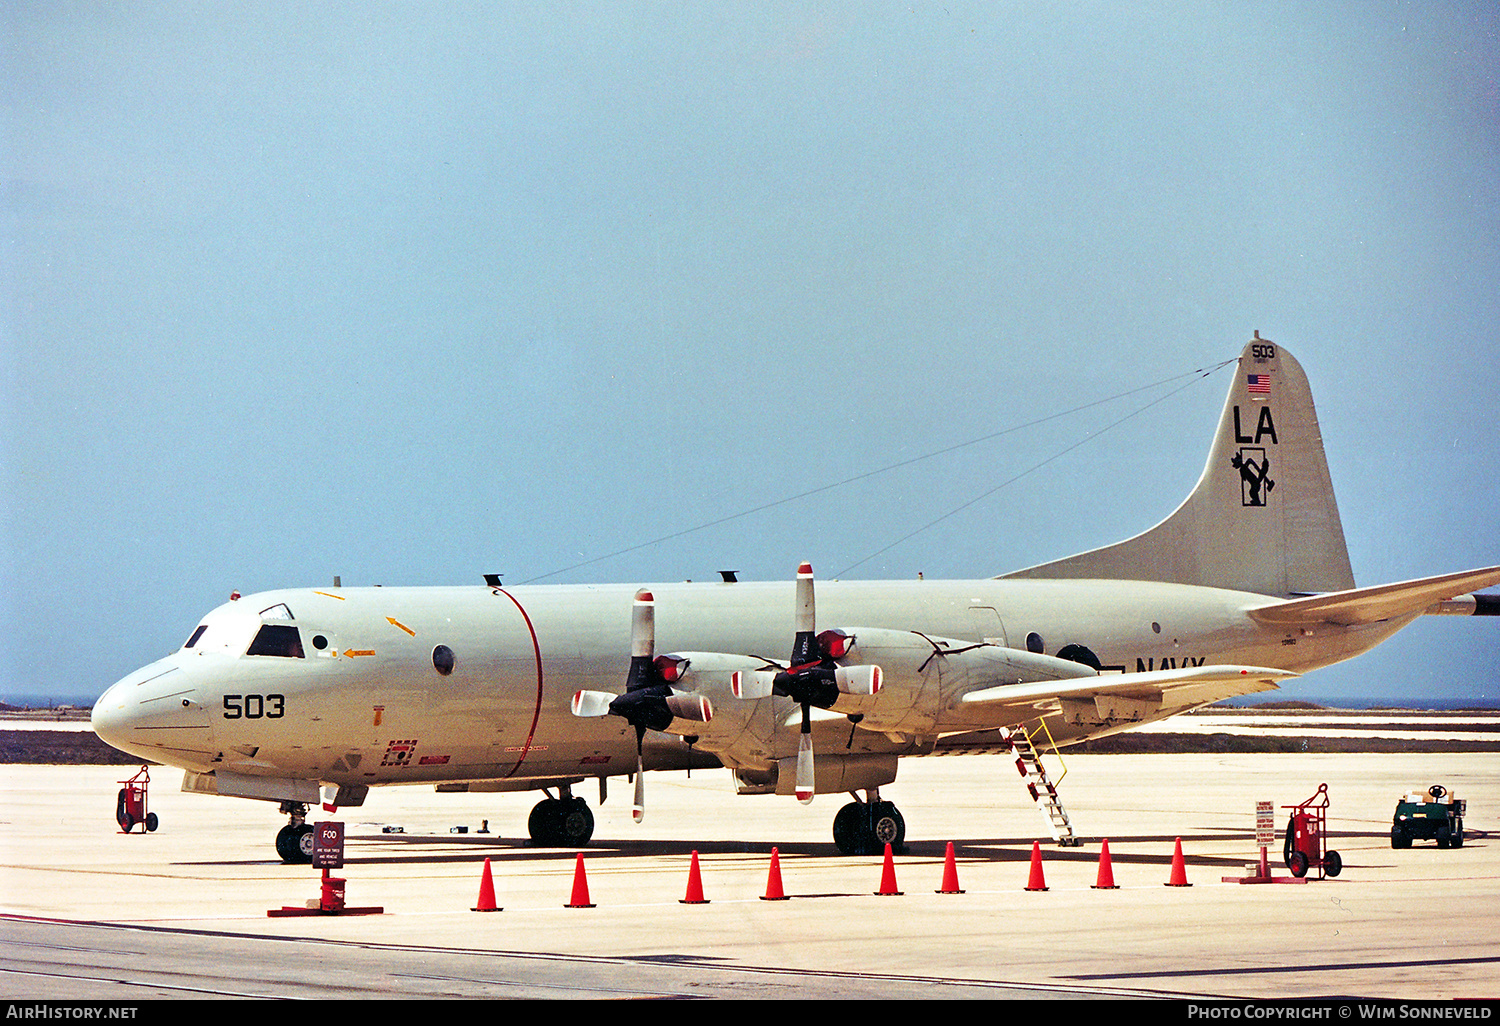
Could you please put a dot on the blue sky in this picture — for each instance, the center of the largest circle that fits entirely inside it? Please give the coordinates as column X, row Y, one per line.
column 412, row 292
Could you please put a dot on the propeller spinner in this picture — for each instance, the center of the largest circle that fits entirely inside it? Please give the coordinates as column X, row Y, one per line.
column 649, row 703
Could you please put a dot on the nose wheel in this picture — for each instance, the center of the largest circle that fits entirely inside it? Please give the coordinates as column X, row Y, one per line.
column 294, row 842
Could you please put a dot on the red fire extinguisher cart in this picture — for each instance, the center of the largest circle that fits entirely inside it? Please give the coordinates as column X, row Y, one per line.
column 1306, row 832
column 130, row 809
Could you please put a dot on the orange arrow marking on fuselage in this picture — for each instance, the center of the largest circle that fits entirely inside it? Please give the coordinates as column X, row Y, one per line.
column 397, row 623
column 351, row 653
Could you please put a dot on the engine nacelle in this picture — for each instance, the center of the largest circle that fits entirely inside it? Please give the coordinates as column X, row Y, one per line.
column 836, row 773
column 922, row 676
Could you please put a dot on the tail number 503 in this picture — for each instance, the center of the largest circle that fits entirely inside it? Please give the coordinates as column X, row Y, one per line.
column 254, row 707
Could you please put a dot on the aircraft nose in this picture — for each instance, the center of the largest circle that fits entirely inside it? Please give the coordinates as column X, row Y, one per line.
column 153, row 712
column 106, row 719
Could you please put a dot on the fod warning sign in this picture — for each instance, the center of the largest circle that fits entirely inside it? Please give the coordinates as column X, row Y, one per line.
column 1265, row 824
column 328, row 845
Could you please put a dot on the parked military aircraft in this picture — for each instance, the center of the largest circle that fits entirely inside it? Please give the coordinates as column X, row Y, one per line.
column 318, row 694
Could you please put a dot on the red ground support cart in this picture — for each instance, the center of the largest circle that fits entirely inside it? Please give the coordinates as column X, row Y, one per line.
column 1305, row 834
column 130, row 809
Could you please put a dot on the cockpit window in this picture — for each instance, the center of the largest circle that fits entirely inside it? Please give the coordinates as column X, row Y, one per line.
column 279, row 611
column 196, row 635
column 277, row 640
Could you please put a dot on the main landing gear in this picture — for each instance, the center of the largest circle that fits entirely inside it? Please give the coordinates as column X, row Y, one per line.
column 294, row 842
column 562, row 822
column 866, row 827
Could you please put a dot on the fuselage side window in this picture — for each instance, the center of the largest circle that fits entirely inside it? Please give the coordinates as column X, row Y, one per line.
column 277, row 639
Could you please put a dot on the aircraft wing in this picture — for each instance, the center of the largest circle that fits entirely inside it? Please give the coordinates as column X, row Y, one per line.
column 1118, row 697
column 1380, row 602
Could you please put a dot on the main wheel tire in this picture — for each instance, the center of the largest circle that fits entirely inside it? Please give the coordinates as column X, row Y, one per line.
column 1297, row 863
column 575, row 823
column 1333, row 863
column 544, row 823
column 887, row 827
column 849, row 829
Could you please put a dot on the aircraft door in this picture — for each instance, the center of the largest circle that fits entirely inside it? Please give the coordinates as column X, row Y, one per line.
column 986, row 625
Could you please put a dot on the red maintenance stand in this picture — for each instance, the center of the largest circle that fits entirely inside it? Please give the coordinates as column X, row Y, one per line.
column 328, row 853
column 1306, row 832
column 130, row 808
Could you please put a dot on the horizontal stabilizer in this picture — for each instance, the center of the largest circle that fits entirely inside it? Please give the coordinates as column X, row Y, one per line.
column 1380, row 602
column 1155, row 691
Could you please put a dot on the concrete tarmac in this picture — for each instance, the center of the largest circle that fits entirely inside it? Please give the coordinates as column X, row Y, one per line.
column 89, row 913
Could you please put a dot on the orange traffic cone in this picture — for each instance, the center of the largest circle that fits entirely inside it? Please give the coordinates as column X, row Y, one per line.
column 1106, row 871
column 1179, row 870
column 1036, row 883
column 580, row 887
column 773, row 882
column 695, row 885
column 950, row 874
column 888, row 875
column 486, row 892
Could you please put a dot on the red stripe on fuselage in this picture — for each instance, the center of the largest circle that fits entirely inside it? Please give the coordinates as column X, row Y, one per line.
column 536, row 712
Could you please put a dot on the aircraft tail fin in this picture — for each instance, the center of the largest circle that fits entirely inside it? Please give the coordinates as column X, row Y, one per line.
column 1262, row 517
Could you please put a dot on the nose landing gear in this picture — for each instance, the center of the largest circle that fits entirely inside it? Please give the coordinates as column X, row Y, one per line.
column 294, row 842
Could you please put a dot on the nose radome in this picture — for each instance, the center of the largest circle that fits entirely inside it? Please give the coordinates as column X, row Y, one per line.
column 112, row 714
column 106, row 716
column 153, row 708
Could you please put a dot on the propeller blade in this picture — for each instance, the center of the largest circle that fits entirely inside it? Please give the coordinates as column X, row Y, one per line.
column 642, row 640
column 638, row 805
column 805, row 787
column 752, row 683
column 690, row 707
column 805, row 647
column 858, row 680
column 643, row 624
column 591, row 703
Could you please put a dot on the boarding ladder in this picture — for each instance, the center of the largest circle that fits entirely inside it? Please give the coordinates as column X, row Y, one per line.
column 1043, row 791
